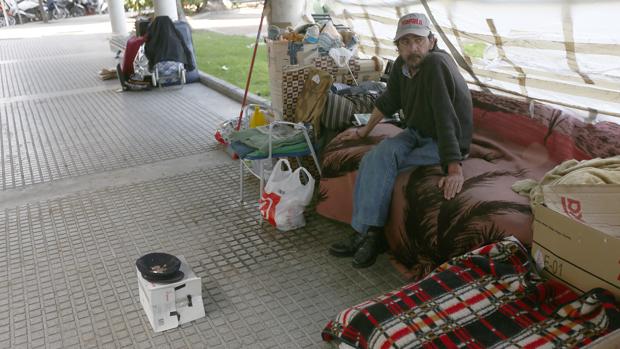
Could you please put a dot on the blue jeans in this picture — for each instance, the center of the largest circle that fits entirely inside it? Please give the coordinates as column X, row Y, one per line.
column 378, row 171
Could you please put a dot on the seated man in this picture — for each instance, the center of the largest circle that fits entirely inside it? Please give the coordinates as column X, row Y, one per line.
column 435, row 100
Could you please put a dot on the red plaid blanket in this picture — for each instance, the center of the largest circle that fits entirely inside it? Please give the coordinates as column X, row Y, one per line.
column 488, row 297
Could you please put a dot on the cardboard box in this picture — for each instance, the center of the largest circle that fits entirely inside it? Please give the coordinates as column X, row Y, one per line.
column 595, row 205
column 168, row 305
column 574, row 253
column 610, row 341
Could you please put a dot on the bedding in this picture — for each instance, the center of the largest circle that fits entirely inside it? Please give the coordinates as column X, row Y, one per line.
column 489, row 297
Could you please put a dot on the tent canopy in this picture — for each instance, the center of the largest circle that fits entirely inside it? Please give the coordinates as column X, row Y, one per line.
column 561, row 52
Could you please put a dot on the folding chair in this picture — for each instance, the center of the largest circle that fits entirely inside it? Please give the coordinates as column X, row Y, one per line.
column 271, row 155
column 323, row 18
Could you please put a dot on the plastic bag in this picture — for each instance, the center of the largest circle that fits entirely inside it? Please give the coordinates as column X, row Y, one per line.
column 140, row 65
column 285, row 197
column 341, row 57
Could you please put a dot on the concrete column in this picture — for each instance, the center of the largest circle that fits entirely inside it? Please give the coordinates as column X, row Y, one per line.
column 117, row 17
column 285, row 12
column 5, row 16
column 166, row 8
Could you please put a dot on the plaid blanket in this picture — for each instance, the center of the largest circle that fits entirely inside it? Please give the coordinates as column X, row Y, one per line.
column 490, row 297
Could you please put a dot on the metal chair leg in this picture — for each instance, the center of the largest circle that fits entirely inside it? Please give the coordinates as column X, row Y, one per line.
column 312, row 152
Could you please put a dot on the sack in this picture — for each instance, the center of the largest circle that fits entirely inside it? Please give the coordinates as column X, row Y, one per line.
column 311, row 102
column 131, row 50
column 285, row 197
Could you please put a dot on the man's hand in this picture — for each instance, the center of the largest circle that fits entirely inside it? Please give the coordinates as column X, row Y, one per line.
column 453, row 182
column 353, row 134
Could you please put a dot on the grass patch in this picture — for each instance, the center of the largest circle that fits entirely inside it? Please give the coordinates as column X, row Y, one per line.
column 215, row 51
column 475, row 49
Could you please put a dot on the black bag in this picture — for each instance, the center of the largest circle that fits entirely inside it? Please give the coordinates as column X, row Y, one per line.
column 165, row 43
column 142, row 25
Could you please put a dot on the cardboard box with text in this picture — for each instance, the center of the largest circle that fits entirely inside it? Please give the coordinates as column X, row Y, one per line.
column 595, row 205
column 579, row 255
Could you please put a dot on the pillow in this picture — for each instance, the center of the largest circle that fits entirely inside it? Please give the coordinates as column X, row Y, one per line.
column 362, row 103
column 337, row 113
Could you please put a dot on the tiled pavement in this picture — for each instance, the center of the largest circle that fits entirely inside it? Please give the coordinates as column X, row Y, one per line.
column 68, row 279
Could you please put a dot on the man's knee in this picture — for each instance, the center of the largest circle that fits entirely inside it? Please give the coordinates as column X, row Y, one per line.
column 388, row 147
column 380, row 154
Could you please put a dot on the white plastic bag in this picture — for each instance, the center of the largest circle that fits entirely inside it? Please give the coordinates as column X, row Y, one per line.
column 285, row 197
column 140, row 65
column 341, row 57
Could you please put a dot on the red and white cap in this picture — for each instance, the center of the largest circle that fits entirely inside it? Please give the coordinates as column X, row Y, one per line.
column 413, row 23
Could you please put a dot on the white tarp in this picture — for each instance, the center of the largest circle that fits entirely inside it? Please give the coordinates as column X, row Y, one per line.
column 564, row 52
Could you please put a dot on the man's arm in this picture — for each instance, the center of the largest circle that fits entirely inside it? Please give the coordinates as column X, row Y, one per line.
column 375, row 118
column 364, row 131
column 447, row 127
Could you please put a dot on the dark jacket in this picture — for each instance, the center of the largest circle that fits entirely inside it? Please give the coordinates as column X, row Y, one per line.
column 165, row 43
column 436, row 102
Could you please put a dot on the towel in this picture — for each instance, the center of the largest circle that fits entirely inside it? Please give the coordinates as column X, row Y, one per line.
column 594, row 171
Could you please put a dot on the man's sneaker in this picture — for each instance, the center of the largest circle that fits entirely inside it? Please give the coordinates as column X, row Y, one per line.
column 368, row 251
column 346, row 247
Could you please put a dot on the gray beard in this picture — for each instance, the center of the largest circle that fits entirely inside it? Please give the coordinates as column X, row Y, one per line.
column 414, row 61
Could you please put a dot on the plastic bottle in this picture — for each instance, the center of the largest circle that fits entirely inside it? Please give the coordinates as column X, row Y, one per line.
column 258, row 118
column 312, row 35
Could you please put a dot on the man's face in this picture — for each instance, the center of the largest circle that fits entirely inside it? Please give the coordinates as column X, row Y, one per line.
column 413, row 48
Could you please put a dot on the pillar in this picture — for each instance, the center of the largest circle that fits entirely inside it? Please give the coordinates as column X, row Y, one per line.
column 166, row 8
column 117, row 17
column 285, row 12
column 5, row 16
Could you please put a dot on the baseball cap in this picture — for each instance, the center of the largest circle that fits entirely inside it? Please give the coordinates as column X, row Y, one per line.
column 413, row 23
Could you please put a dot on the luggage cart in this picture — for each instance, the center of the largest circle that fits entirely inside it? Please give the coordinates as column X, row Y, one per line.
column 168, row 73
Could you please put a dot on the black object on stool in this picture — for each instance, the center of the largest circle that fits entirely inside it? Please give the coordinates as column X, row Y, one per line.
column 160, row 267
column 142, row 25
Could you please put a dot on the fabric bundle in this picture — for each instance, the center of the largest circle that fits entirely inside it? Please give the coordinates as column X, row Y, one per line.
column 594, row 171
column 254, row 142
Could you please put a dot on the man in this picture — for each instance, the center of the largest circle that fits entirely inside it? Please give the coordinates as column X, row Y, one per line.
column 427, row 85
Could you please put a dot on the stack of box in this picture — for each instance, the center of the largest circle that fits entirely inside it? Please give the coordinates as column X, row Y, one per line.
column 169, row 305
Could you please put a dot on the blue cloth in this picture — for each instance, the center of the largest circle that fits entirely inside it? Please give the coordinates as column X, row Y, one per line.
column 378, row 171
column 338, row 86
column 365, row 87
column 293, row 48
column 247, row 152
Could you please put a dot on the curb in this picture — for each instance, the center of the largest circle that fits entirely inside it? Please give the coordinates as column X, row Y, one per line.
column 230, row 90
